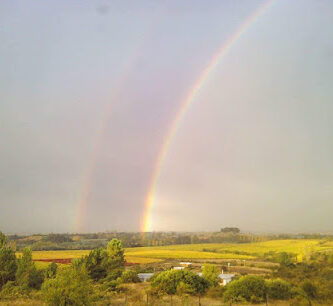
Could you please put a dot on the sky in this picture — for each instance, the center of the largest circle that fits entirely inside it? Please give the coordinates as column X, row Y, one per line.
column 90, row 89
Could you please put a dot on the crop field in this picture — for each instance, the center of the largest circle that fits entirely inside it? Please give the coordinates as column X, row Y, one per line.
column 70, row 254
column 247, row 251
column 235, row 251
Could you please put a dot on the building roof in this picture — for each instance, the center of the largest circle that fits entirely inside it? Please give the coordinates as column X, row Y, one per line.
column 223, row 275
column 145, row 276
column 226, row 276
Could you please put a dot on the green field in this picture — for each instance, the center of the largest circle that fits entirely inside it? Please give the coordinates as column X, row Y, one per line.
column 205, row 251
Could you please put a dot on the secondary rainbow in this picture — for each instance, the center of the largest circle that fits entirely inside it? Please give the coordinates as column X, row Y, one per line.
column 150, row 198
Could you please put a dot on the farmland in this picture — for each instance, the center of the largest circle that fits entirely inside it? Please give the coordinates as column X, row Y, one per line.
column 266, row 261
column 247, row 251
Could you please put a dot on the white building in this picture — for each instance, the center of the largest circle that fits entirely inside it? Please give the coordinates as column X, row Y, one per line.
column 145, row 276
column 226, row 278
column 185, row 264
column 178, row 268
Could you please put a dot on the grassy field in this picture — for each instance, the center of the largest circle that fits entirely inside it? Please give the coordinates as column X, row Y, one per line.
column 235, row 251
column 205, row 251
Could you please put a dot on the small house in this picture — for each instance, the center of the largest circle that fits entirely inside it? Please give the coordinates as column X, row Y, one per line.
column 145, row 276
column 226, row 278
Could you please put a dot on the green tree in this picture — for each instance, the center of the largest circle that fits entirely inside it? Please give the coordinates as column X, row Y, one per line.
column 8, row 264
column 211, row 274
column 96, row 264
column 278, row 289
column 70, row 287
column 27, row 274
column 115, row 252
column 310, row 290
column 3, row 240
column 286, row 259
column 168, row 281
column 247, row 288
column 51, row 270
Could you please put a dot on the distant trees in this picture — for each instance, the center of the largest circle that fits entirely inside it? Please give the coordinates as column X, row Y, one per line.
column 8, row 265
column 58, row 238
column 231, row 230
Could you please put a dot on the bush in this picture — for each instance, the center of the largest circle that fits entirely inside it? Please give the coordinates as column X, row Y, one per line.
column 248, row 288
column 309, row 289
column 211, row 274
column 51, row 270
column 12, row 291
column 27, row 274
column 168, row 281
column 8, row 265
column 216, row 292
column 70, row 287
column 110, row 285
column 130, row 277
column 278, row 289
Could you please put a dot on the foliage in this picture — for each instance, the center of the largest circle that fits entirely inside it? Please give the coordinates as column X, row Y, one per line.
column 130, row 277
column 51, row 270
column 211, row 274
column 278, row 289
column 106, row 262
column 12, row 290
column 115, row 252
column 8, row 265
column 71, row 286
column 286, row 259
column 248, row 288
column 96, row 264
column 27, row 274
column 3, row 240
column 58, row 238
column 168, row 281
column 310, row 289
column 233, row 230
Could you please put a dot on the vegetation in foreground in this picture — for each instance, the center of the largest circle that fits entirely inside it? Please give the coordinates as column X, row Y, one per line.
column 100, row 277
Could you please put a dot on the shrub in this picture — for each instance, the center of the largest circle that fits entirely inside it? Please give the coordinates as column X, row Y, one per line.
column 12, row 291
column 130, row 277
column 211, row 274
column 8, row 265
column 51, row 270
column 278, row 289
column 27, row 274
column 168, row 281
column 248, row 288
column 70, row 287
column 309, row 289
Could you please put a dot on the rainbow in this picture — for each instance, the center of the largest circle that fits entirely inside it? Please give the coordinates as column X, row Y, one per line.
column 150, row 198
column 87, row 181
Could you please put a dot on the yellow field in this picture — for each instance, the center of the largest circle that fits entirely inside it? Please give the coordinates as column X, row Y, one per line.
column 235, row 251
column 205, row 251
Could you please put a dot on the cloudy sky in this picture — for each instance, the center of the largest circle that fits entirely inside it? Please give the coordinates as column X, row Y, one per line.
column 89, row 91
